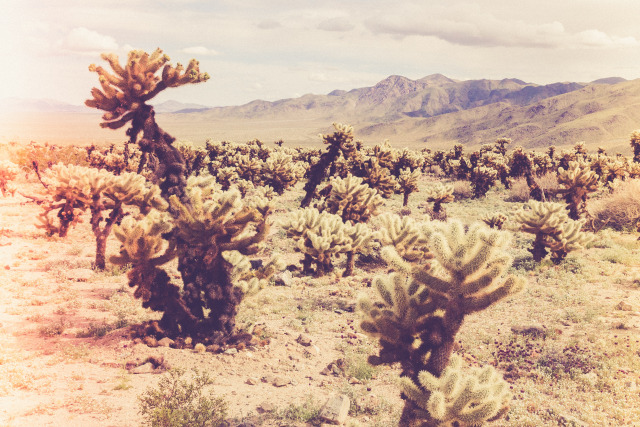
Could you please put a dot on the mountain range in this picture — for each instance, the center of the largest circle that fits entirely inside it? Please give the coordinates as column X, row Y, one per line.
column 434, row 111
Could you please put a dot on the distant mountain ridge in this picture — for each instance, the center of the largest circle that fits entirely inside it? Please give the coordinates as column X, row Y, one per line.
column 432, row 112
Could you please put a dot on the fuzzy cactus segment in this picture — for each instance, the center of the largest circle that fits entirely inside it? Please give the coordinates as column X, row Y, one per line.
column 405, row 235
column 459, row 398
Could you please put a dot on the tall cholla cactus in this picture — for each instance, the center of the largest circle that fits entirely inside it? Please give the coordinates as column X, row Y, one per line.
column 74, row 189
column 339, row 143
column 439, row 193
column 405, row 235
column 634, row 141
column 459, row 398
column 8, row 172
column 220, row 230
column 578, row 181
column 123, row 96
column 320, row 236
column 553, row 229
column 421, row 310
column 408, row 183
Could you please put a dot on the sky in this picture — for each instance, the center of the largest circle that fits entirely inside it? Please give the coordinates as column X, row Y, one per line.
column 276, row 49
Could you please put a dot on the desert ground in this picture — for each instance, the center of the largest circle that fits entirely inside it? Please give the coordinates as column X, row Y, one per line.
column 568, row 344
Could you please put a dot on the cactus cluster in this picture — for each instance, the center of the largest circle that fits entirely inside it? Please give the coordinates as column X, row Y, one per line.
column 321, row 236
column 75, row 189
column 554, row 231
column 215, row 227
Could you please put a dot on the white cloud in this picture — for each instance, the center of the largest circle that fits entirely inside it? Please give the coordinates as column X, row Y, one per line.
column 336, row 24
column 200, row 50
column 474, row 27
column 83, row 41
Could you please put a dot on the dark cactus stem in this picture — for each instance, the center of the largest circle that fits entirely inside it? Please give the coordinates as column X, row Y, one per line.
column 97, row 207
column 317, row 172
column 348, row 271
column 539, row 250
column 208, row 274
column 405, row 200
column 170, row 169
column 535, row 191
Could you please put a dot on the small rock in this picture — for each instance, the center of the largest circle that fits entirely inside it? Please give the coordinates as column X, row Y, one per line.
column 150, row 341
column 624, row 306
column 280, row 382
column 265, row 407
column 165, row 342
column 156, row 361
column 147, row 368
column 354, row 380
column 284, row 279
column 252, row 381
column 268, row 379
column 232, row 350
column 304, row 340
column 336, row 410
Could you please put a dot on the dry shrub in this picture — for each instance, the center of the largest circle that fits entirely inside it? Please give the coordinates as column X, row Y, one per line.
column 462, row 190
column 519, row 191
column 620, row 210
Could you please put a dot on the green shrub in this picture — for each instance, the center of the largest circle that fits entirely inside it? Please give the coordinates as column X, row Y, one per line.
column 179, row 402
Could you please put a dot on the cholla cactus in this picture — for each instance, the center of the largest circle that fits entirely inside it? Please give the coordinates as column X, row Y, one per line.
column 405, row 235
column 634, row 141
column 8, row 172
column 320, row 236
column 379, row 177
column 194, row 157
column 408, row 183
column 578, row 181
column 385, row 154
column 280, row 172
column 352, row 199
column 495, row 220
column 482, row 179
column 421, row 310
column 339, row 143
column 220, row 230
column 123, row 96
column 247, row 167
column 74, row 189
column 439, row 193
column 552, row 228
column 460, row 398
